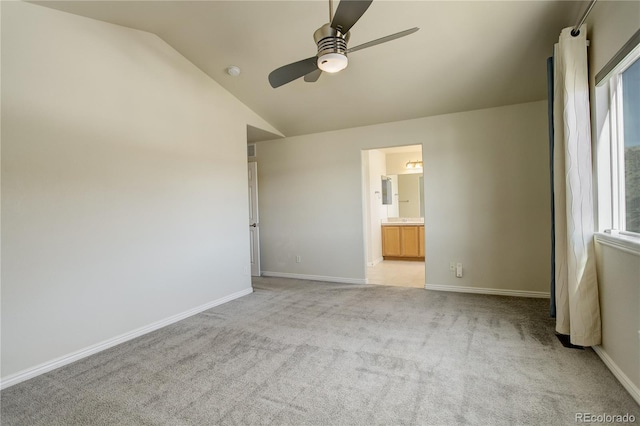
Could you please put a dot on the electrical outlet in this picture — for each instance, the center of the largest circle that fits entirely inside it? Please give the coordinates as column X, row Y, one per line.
column 452, row 266
column 298, row 259
column 459, row 270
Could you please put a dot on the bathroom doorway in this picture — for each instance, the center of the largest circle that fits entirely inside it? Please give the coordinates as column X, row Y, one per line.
column 393, row 188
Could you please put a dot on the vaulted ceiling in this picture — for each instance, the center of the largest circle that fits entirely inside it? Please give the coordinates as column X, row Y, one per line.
column 467, row 54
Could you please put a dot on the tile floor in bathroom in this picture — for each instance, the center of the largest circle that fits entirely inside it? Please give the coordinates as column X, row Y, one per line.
column 399, row 273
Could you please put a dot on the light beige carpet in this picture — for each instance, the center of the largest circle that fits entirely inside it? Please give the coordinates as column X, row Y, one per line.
column 297, row 352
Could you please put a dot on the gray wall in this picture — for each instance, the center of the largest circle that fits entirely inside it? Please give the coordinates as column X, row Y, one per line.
column 619, row 284
column 124, row 185
column 610, row 25
column 486, row 198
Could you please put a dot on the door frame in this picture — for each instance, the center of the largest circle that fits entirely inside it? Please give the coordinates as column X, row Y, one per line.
column 254, row 219
column 369, row 194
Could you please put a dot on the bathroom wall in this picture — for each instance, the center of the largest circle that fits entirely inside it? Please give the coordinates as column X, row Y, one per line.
column 374, row 167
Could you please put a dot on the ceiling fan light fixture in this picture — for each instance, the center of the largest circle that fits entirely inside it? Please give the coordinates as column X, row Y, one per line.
column 332, row 62
column 331, row 40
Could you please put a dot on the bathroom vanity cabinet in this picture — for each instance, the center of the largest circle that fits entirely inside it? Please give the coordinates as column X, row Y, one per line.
column 403, row 242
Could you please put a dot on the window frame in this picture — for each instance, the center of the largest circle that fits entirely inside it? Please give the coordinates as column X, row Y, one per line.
column 609, row 148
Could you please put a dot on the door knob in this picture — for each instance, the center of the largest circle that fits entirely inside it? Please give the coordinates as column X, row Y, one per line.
column 254, row 225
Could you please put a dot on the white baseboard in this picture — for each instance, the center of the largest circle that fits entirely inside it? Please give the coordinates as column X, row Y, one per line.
column 618, row 373
column 492, row 291
column 315, row 277
column 375, row 262
column 45, row 367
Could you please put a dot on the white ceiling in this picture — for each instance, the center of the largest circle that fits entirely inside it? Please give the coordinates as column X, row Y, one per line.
column 467, row 54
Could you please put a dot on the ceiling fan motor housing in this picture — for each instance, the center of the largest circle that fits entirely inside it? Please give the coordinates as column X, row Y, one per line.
column 332, row 48
column 331, row 40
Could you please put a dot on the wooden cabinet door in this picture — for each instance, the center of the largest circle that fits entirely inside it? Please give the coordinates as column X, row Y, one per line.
column 410, row 241
column 391, row 241
column 421, row 240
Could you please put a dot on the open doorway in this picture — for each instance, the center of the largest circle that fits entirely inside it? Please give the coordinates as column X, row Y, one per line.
column 393, row 188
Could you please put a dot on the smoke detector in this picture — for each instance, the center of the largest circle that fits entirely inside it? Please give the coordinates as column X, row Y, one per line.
column 233, row 71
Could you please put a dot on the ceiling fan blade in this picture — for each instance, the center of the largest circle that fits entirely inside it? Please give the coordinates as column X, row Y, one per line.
column 383, row 40
column 348, row 13
column 288, row 73
column 313, row 76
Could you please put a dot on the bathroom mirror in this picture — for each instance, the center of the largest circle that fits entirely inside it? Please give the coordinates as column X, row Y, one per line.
column 407, row 195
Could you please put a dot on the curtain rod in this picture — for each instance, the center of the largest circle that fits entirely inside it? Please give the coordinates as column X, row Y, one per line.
column 576, row 28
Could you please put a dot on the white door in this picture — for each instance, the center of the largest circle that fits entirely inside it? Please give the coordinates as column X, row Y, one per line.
column 254, row 229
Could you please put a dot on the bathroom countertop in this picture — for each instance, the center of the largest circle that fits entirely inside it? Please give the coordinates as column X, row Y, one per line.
column 407, row 223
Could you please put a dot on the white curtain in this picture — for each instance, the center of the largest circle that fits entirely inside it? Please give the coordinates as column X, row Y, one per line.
column 577, row 306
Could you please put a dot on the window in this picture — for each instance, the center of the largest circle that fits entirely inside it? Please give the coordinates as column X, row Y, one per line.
column 618, row 144
column 631, row 143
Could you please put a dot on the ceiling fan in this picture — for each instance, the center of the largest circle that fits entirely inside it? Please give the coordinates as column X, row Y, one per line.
column 331, row 39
